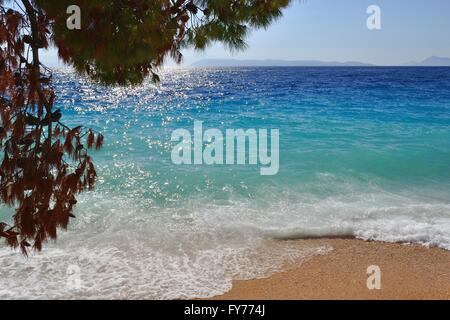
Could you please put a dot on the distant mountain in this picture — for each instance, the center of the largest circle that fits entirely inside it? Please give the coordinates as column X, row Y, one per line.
column 428, row 62
column 275, row 63
column 431, row 62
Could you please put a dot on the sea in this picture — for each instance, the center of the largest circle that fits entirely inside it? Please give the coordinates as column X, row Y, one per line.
column 363, row 153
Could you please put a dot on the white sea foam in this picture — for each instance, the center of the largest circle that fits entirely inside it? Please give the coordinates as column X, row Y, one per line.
column 124, row 251
column 134, row 249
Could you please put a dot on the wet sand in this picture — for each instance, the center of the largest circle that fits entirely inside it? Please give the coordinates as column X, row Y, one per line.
column 407, row 272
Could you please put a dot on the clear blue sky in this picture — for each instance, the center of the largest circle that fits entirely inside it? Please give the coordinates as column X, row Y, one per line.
column 336, row 30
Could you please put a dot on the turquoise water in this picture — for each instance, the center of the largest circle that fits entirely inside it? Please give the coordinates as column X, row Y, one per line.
column 364, row 152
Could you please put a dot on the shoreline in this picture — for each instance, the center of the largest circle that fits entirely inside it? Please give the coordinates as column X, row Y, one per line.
column 408, row 271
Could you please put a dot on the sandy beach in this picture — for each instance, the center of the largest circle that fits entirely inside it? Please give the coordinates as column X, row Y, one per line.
column 407, row 272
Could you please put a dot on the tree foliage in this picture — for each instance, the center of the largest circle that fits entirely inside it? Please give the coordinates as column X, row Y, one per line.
column 45, row 163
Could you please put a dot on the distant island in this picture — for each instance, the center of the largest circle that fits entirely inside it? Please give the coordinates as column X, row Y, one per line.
column 431, row 62
column 428, row 62
column 276, row 63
